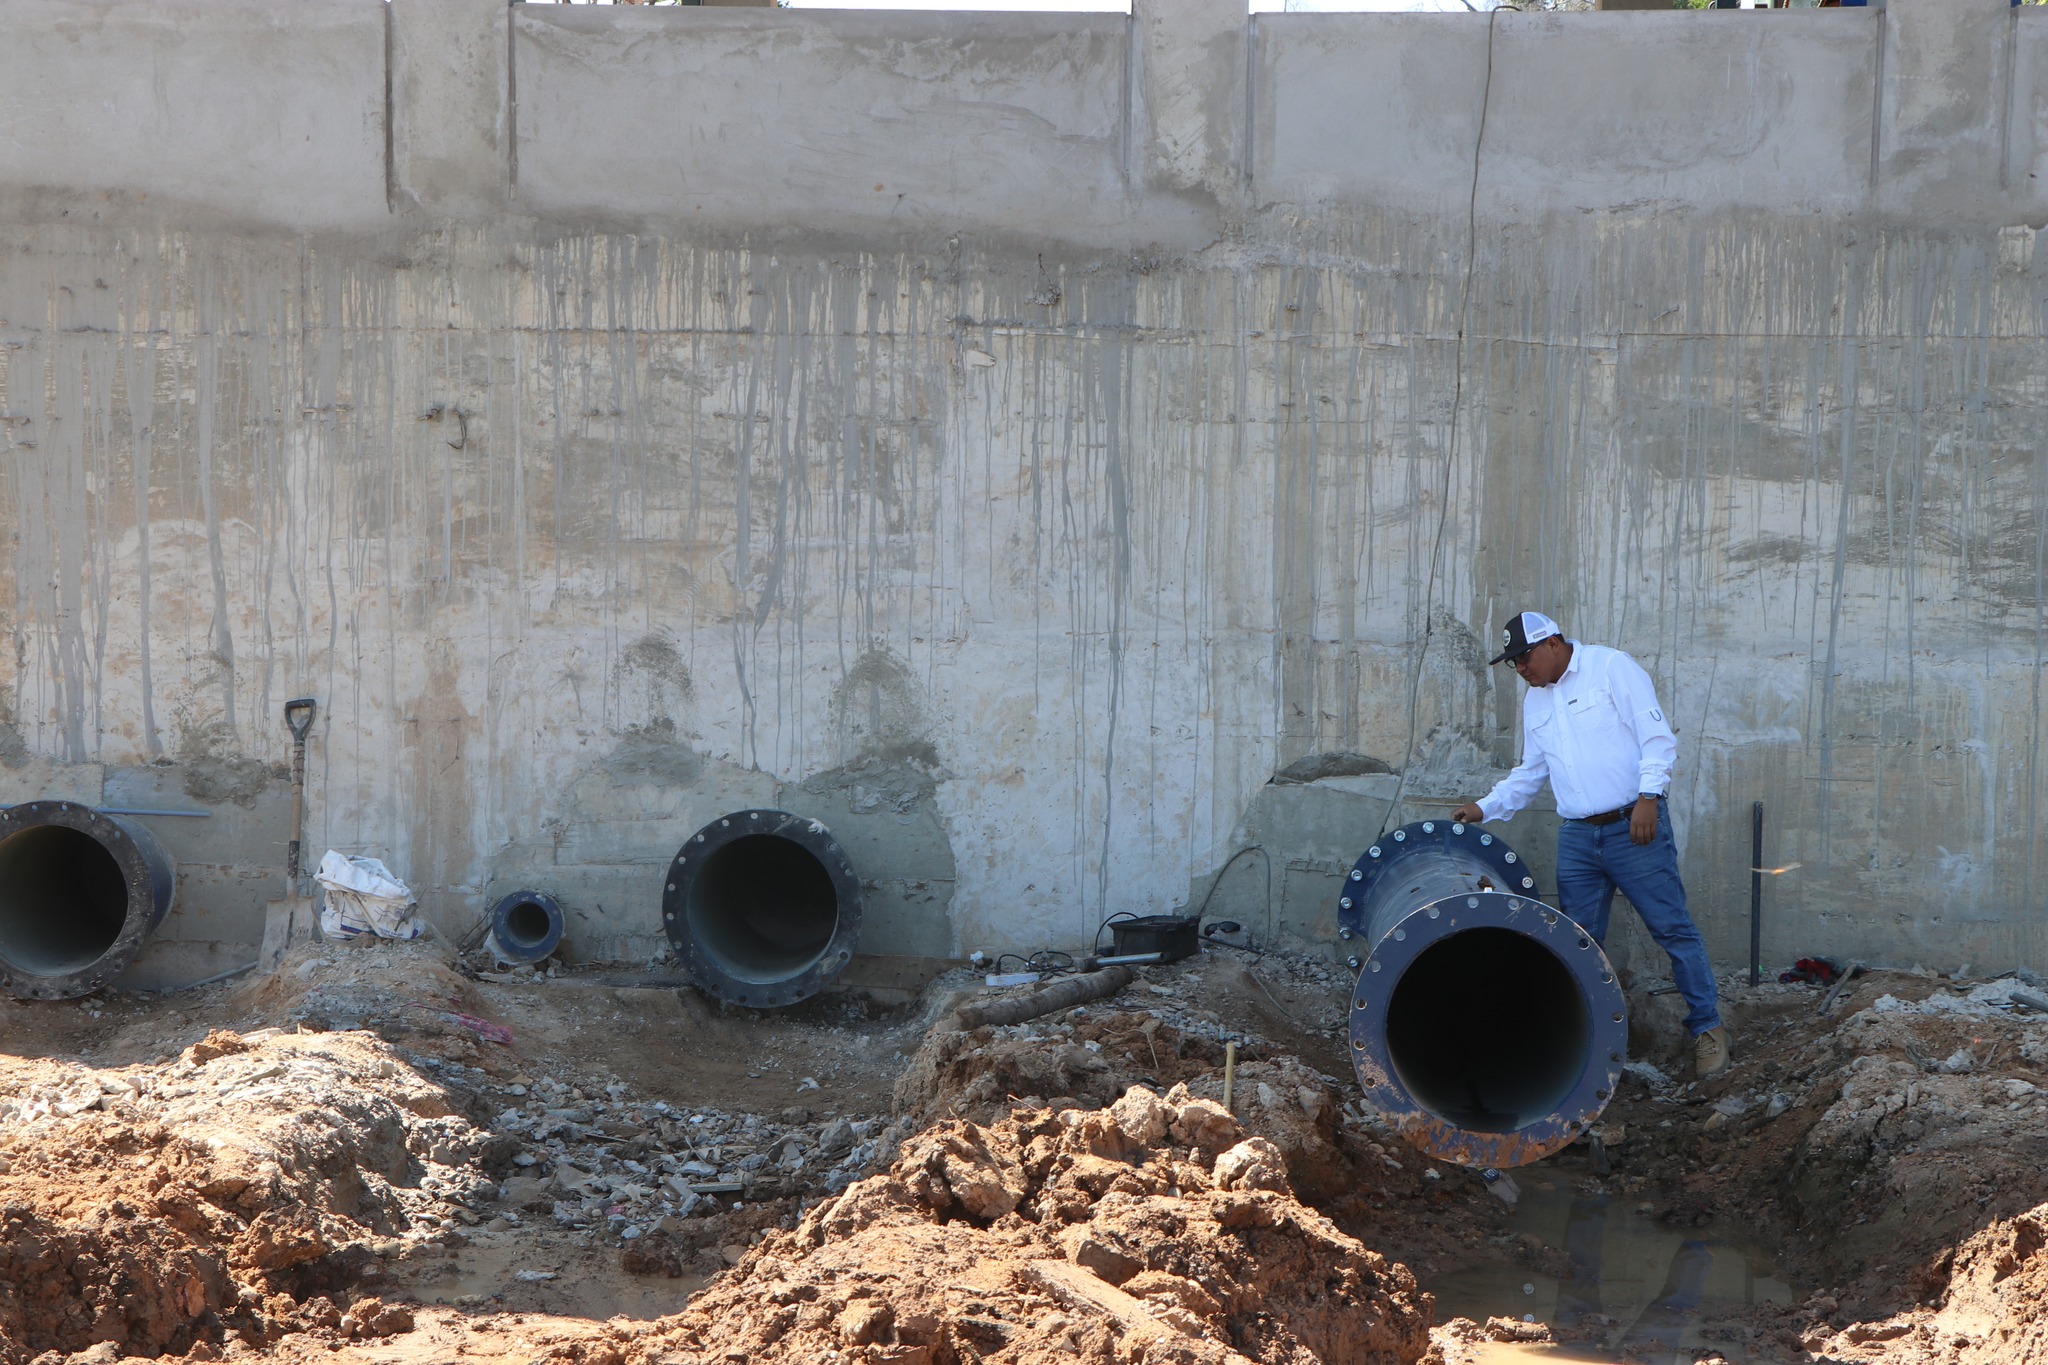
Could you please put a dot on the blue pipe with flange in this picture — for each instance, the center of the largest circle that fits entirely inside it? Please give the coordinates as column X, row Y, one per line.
column 526, row 926
column 1486, row 1026
column 763, row 907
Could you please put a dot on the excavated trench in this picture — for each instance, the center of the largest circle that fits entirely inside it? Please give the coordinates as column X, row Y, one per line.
column 1862, row 1187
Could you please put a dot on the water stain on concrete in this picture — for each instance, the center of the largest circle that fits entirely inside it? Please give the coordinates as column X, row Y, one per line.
column 443, row 837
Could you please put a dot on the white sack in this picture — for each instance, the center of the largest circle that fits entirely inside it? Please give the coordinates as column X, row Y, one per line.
column 363, row 897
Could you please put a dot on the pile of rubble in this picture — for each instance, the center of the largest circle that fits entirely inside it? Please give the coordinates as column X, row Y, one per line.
column 605, row 1161
column 1152, row 1230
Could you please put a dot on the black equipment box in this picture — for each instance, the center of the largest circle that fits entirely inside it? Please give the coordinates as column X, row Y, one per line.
column 1173, row 937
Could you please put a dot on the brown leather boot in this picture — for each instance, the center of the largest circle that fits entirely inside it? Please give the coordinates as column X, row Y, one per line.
column 1710, row 1053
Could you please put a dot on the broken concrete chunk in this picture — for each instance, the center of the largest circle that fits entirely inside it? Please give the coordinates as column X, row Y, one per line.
column 1254, row 1164
column 1142, row 1115
column 835, row 1138
column 1207, row 1125
column 572, row 1181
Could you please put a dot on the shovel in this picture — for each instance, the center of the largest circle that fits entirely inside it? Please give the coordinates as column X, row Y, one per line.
column 291, row 920
column 298, row 718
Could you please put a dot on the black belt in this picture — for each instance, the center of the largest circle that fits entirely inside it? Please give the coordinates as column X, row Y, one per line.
column 1608, row 817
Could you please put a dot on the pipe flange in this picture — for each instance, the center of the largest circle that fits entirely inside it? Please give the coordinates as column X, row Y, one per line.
column 1606, row 1046
column 1512, row 872
column 699, row 900
column 526, row 926
column 148, row 883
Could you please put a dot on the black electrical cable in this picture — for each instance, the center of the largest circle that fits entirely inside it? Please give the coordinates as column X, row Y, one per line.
column 1217, row 881
column 1095, row 947
column 1046, row 962
column 1451, row 444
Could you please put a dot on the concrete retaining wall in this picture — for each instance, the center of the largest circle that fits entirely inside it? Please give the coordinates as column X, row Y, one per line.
column 1015, row 439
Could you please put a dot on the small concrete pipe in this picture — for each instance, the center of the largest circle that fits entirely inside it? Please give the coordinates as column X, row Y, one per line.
column 80, row 892
column 1485, row 1025
column 763, row 907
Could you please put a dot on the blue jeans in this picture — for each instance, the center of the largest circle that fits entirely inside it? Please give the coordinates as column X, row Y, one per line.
column 1592, row 860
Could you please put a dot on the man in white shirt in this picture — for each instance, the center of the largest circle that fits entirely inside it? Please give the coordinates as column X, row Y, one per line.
column 1592, row 726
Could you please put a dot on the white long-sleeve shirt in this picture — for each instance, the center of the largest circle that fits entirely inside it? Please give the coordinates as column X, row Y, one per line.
column 1597, row 733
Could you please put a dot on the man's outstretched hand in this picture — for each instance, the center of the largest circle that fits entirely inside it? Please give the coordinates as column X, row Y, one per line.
column 1469, row 814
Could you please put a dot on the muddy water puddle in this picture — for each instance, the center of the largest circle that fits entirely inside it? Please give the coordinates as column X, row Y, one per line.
column 1624, row 1288
column 559, row 1278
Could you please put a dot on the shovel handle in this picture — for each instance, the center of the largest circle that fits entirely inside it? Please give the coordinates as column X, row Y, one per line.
column 298, row 717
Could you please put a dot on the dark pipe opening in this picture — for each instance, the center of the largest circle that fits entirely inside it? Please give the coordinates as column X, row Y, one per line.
column 1488, row 1030
column 525, row 925
column 63, row 900
column 763, row 908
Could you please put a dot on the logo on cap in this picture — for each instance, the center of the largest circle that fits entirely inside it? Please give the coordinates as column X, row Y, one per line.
column 1523, row 632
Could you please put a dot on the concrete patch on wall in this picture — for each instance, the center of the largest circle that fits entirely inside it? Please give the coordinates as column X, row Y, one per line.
column 881, row 809
column 14, row 751
column 211, row 769
column 880, row 803
column 229, row 857
column 651, row 755
column 653, row 669
column 1303, row 830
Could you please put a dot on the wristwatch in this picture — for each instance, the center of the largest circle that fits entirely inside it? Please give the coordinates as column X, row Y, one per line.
column 1649, row 796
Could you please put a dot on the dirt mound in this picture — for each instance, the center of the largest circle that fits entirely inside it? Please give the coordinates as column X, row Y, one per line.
column 1151, row 1230
column 409, row 990
column 1300, row 1111
column 158, row 1207
column 1084, row 1058
column 1993, row 1309
column 1866, row 1144
column 1461, row 1341
column 1930, row 1129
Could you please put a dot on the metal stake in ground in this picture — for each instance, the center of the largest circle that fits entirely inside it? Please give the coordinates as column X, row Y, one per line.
column 1756, row 893
column 298, row 718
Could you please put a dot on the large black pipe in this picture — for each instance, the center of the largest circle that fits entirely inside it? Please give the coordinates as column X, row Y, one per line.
column 1485, row 1025
column 763, row 907
column 80, row 892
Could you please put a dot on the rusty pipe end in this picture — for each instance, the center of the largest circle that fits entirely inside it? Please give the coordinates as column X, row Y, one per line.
column 1488, row 1028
